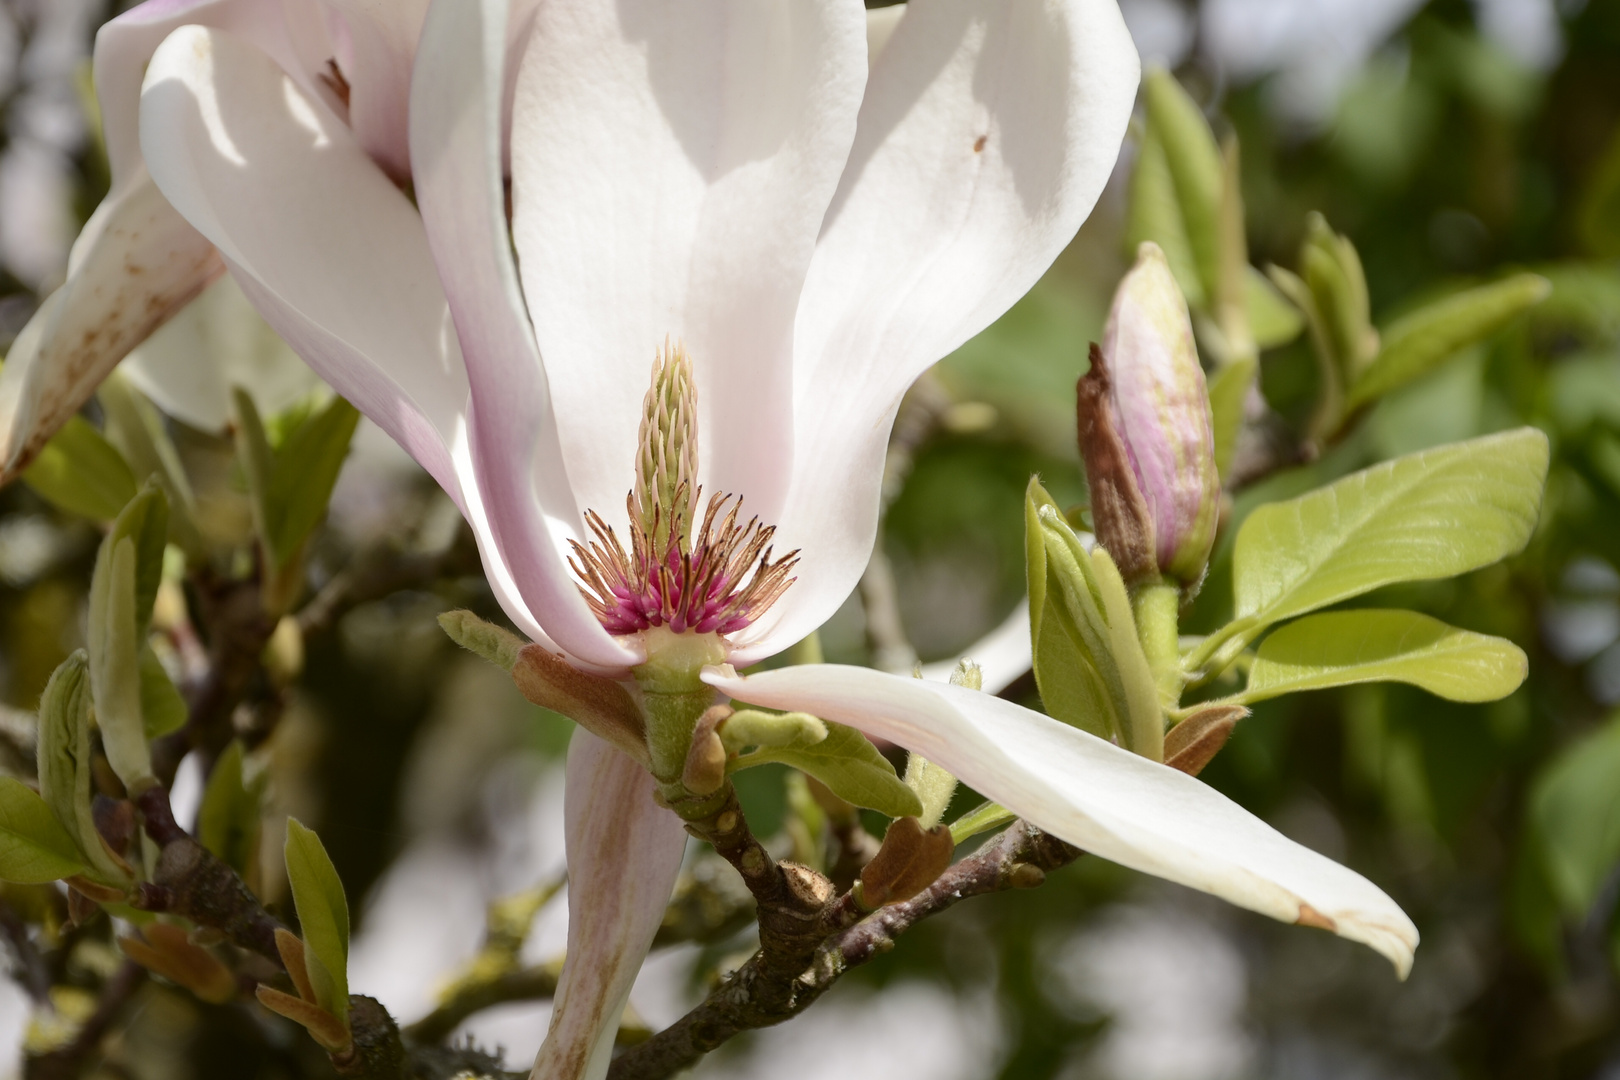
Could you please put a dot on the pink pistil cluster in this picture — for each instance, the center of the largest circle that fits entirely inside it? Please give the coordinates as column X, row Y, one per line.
column 717, row 582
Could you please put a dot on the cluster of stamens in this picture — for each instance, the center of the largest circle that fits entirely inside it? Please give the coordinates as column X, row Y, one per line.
column 717, row 579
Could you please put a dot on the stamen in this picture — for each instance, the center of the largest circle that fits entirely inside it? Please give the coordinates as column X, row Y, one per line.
column 717, row 581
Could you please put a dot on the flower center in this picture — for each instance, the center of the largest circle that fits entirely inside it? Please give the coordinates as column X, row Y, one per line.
column 714, row 580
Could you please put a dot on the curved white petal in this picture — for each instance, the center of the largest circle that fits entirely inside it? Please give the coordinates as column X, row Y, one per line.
column 189, row 365
column 624, row 852
column 290, row 31
column 671, row 167
column 1095, row 795
column 323, row 245
column 456, row 161
column 1004, row 655
column 381, row 44
column 136, row 264
column 988, row 131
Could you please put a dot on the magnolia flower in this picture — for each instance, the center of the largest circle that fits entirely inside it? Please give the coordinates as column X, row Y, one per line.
column 718, row 190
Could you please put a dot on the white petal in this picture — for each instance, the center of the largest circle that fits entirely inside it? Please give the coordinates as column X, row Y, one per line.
column 137, row 263
column 456, row 160
column 381, row 46
column 289, row 30
column 323, row 245
column 1095, row 795
column 988, row 131
column 1004, row 655
column 672, row 164
column 624, row 852
column 189, row 365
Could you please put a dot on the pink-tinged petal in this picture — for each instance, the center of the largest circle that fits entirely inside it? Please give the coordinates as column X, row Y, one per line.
column 671, row 167
column 1004, row 655
column 290, row 31
column 624, row 852
column 136, row 264
column 988, row 131
column 1095, row 795
column 324, row 246
column 328, row 250
column 381, row 44
column 456, row 160
column 218, row 341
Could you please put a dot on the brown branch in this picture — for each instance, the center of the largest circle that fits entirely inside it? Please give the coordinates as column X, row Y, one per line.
column 384, row 571
column 524, row 984
column 768, row 989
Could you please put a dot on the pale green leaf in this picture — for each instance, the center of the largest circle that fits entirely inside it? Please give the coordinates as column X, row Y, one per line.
column 136, row 428
column 323, row 913
column 257, row 459
column 784, row 731
column 162, row 708
column 1273, row 319
column 1574, row 818
column 145, row 521
column 1414, row 345
column 1428, row 515
column 852, row 769
column 80, row 472
column 1195, row 167
column 1070, row 688
column 64, row 762
column 115, row 645
column 494, row 643
column 304, row 473
column 34, row 848
column 1374, row 645
column 1228, row 398
column 1154, row 214
column 228, row 821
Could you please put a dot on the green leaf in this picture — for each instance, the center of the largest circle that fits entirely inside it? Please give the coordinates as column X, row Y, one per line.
column 1273, row 320
column 1574, row 819
column 1416, row 344
column 136, row 428
column 228, row 821
column 1154, row 214
column 494, row 643
column 64, row 763
column 1195, row 168
column 1070, row 688
column 850, row 766
column 323, row 914
column 115, row 645
column 257, row 460
column 1228, row 398
column 1333, row 271
column 162, row 708
column 80, row 472
column 305, row 472
column 145, row 521
column 1433, row 514
column 34, row 848
column 1371, row 645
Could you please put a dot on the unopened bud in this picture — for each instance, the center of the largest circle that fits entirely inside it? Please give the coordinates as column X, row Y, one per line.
column 1194, row 742
column 169, row 951
column 910, row 860
column 1147, row 434
column 705, row 767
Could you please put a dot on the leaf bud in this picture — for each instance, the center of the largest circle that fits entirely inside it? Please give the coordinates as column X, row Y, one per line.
column 1147, row 434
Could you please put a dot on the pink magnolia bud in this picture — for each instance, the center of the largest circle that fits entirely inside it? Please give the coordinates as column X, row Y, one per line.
column 1158, row 406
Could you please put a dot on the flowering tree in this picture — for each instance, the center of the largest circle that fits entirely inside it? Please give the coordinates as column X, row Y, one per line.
column 687, row 261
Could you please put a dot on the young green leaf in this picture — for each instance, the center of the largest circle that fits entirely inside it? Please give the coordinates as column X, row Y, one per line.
column 774, row 731
column 304, row 473
column 64, row 763
column 1228, row 398
column 1194, row 162
column 162, row 708
column 145, row 522
column 323, row 915
column 1428, row 515
column 115, row 645
column 136, row 429
column 850, row 766
column 80, row 472
column 1273, row 320
column 34, row 848
column 1416, row 344
column 1154, row 214
column 1574, row 819
column 1338, row 648
column 228, row 822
